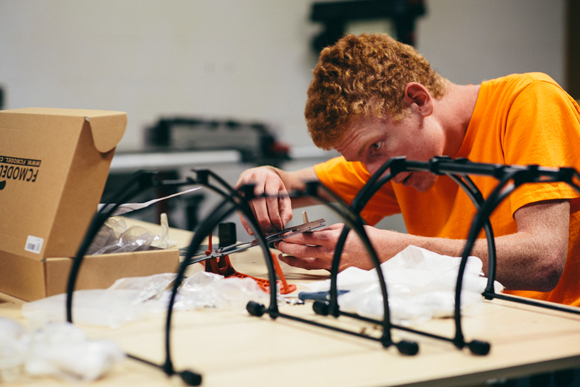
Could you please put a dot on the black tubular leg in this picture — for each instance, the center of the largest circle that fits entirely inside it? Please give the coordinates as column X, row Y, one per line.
column 436, row 166
column 358, row 203
column 241, row 200
column 478, row 223
column 144, row 180
column 395, row 165
column 353, row 221
column 477, row 199
column 222, row 210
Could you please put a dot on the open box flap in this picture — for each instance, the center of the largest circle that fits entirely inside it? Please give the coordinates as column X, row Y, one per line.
column 107, row 129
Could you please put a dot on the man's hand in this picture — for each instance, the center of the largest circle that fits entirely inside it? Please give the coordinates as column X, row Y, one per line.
column 271, row 212
column 315, row 250
column 274, row 211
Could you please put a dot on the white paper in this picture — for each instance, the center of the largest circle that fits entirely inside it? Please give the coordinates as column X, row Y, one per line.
column 129, row 207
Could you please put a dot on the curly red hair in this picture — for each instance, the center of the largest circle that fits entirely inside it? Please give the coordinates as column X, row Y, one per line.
column 361, row 75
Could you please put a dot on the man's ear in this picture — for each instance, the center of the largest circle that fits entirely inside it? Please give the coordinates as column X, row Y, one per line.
column 418, row 95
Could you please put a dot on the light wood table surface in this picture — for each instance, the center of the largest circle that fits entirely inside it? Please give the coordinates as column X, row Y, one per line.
column 231, row 348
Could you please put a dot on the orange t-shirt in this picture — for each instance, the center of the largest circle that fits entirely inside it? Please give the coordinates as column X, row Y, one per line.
column 520, row 119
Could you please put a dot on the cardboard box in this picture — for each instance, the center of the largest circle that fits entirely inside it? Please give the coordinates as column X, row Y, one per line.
column 53, row 168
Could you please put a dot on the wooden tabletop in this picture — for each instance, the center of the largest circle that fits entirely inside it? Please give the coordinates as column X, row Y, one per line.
column 231, row 348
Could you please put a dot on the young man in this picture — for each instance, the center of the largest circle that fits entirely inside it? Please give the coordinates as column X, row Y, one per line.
column 373, row 98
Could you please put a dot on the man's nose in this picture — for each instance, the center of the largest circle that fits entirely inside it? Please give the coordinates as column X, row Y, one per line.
column 400, row 177
column 372, row 168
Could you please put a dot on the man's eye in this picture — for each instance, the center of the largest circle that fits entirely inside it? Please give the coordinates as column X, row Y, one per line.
column 376, row 146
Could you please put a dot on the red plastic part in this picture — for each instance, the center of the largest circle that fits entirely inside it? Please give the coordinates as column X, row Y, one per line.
column 223, row 266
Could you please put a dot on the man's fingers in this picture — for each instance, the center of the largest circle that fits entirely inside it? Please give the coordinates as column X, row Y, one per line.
column 245, row 223
column 316, row 238
column 274, row 212
column 275, row 191
column 272, row 207
column 305, row 263
column 260, row 207
column 285, row 205
column 305, row 251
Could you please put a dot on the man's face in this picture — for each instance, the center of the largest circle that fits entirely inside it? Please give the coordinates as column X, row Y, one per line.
column 373, row 141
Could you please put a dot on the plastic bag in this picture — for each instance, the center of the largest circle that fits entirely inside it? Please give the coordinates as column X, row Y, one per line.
column 59, row 350
column 209, row 290
column 115, row 237
column 420, row 286
column 136, row 298
column 13, row 348
column 97, row 307
column 150, row 287
column 62, row 350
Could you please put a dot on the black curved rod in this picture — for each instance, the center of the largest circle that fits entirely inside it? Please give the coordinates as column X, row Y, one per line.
column 203, row 176
column 195, row 243
column 355, row 222
column 532, row 174
column 476, row 226
column 239, row 198
column 395, row 165
column 477, row 199
column 144, row 180
column 220, row 212
column 473, row 193
column 141, row 180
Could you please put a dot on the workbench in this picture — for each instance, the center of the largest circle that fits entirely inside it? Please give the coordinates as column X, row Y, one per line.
column 231, row 348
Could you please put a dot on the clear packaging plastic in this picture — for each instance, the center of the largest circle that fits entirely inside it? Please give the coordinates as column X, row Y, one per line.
column 133, row 299
column 149, row 288
column 116, row 237
column 111, row 308
column 209, row 290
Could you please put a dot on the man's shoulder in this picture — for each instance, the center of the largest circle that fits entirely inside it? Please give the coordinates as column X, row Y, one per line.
column 538, row 77
column 511, row 86
column 520, row 81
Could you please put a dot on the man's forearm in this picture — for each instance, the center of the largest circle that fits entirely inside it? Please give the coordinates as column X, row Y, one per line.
column 519, row 264
column 531, row 259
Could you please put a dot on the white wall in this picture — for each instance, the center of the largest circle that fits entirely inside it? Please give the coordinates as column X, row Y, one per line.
column 469, row 41
column 244, row 59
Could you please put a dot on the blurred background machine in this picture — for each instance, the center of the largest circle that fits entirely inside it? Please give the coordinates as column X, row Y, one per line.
column 254, row 141
column 398, row 16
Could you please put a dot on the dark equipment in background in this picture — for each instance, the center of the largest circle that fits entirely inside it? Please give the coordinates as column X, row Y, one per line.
column 335, row 15
column 255, row 141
